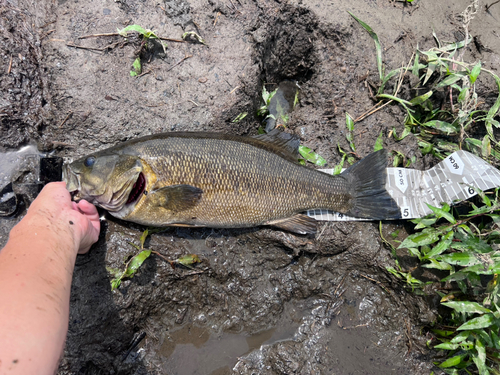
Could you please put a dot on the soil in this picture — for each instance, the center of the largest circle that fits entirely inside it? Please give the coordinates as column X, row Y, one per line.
column 262, row 301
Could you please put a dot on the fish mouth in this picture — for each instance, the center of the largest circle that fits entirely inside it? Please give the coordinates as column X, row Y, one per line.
column 138, row 189
column 72, row 181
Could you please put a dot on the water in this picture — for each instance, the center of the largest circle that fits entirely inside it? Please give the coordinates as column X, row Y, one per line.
column 193, row 350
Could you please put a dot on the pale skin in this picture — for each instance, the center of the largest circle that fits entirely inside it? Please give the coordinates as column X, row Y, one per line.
column 36, row 269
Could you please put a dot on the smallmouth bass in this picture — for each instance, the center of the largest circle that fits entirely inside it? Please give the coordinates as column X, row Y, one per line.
column 225, row 181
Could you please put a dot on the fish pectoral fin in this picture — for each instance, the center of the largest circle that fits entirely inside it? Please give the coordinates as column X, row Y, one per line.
column 176, row 197
column 301, row 224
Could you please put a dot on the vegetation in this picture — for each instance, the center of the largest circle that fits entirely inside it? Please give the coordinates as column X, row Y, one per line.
column 147, row 37
column 464, row 244
column 133, row 263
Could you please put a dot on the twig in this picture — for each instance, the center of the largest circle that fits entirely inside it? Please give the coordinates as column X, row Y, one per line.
column 82, row 47
column 98, row 35
column 47, row 34
column 179, row 62
column 10, row 65
column 338, row 286
column 172, row 40
column 116, row 34
column 162, row 256
column 218, row 14
column 351, row 327
column 143, row 74
column 66, row 119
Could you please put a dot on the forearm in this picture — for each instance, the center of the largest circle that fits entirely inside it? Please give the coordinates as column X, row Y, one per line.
column 36, row 268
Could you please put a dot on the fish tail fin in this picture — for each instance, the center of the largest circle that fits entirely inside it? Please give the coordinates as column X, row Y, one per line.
column 367, row 179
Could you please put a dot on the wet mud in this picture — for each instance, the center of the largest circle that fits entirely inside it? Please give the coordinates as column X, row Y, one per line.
column 262, row 301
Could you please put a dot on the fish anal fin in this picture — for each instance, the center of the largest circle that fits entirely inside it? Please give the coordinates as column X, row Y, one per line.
column 176, row 197
column 301, row 224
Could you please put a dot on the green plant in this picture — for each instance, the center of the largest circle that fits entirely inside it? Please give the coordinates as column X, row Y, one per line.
column 147, row 36
column 463, row 245
column 466, row 247
column 441, row 131
column 136, row 261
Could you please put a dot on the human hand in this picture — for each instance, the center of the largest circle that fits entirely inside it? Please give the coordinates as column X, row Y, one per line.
column 54, row 202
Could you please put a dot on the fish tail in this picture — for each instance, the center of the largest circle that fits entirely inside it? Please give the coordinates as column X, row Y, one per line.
column 367, row 181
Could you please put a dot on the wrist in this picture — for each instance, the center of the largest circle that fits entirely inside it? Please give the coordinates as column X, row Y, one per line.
column 40, row 226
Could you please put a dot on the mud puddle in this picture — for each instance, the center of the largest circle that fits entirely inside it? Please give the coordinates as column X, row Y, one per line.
column 198, row 350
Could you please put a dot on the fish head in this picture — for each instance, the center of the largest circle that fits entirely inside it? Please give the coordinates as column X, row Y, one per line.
column 110, row 181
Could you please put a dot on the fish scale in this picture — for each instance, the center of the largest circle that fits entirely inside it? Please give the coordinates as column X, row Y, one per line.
column 208, row 179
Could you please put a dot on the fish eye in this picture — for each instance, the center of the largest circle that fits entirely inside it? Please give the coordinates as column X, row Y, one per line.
column 89, row 161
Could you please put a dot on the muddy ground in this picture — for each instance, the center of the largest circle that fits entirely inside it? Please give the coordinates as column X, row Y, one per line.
column 262, row 301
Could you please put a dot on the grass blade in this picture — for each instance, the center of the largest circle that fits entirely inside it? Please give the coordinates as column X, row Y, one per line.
column 377, row 45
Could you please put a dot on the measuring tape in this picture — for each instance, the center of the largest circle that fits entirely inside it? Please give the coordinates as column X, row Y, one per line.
column 451, row 181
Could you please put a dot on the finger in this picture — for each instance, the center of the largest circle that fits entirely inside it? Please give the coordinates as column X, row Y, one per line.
column 87, row 208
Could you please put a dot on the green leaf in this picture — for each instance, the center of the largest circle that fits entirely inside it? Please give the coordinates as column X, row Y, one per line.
column 494, row 109
column 486, row 147
column 144, row 235
column 441, row 246
column 442, row 333
column 134, row 263
column 349, row 122
column 460, row 337
column 379, row 143
column 406, row 131
column 453, row 361
column 437, row 265
column 240, row 117
column 137, row 67
column 447, row 346
column 311, row 156
column 483, row 321
column 443, row 212
column 420, row 239
column 451, row 79
column 339, row 166
column 188, row 260
column 459, row 259
column 114, row 271
column 115, row 283
column 136, row 28
column 442, row 126
column 467, row 307
column 377, row 45
column 475, row 72
column 387, row 77
column 480, row 359
column 422, row 98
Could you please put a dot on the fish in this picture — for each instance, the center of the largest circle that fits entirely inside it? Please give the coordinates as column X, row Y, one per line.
column 203, row 179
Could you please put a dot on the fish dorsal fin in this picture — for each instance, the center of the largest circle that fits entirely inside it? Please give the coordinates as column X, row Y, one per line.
column 176, row 198
column 284, row 144
column 301, row 224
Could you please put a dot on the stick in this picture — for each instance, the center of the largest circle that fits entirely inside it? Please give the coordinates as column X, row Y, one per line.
column 178, row 62
column 10, row 65
column 116, row 34
column 82, row 47
column 66, row 119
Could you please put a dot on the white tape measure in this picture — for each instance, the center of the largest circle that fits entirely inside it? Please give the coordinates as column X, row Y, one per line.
column 451, row 181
